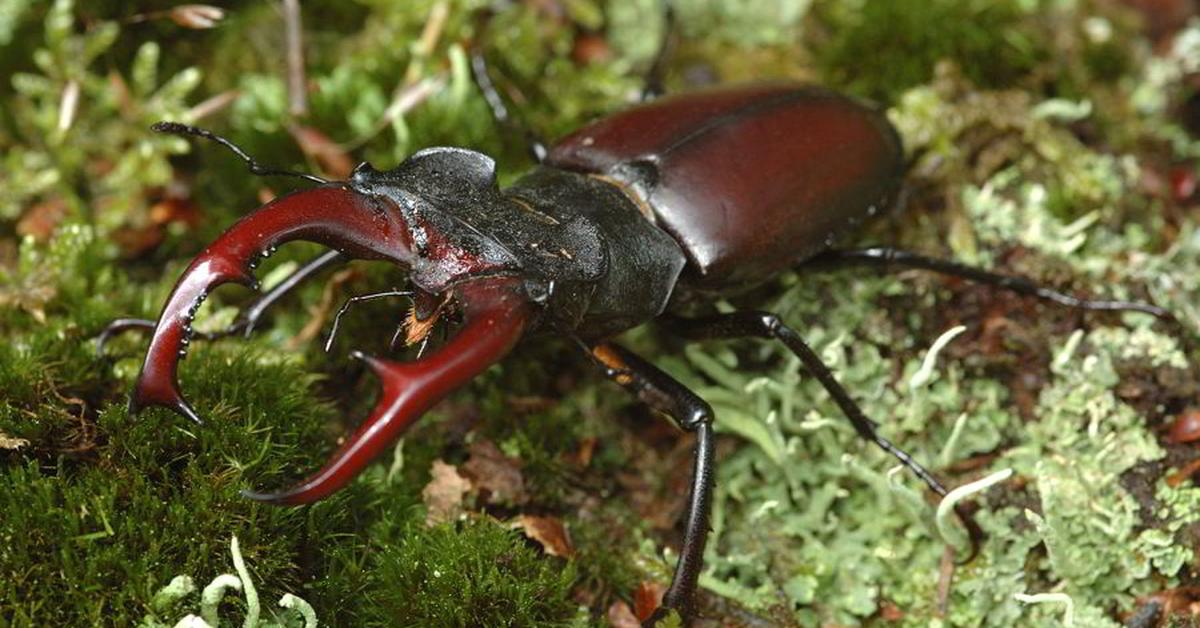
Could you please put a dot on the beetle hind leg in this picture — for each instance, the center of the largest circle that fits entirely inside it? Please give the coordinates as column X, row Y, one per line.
column 886, row 256
column 769, row 326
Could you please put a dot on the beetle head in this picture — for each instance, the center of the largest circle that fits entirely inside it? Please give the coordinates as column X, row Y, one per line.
column 423, row 215
column 448, row 202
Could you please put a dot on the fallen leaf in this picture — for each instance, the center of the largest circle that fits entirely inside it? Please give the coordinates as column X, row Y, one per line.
column 590, row 49
column 1182, row 475
column 333, row 158
column 1185, row 428
column 621, row 616
column 31, row 294
column 582, row 457
column 647, row 597
column 890, row 612
column 8, row 442
column 492, row 471
column 40, row 220
column 549, row 532
column 443, row 495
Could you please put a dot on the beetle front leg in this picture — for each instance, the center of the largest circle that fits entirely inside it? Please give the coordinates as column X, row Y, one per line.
column 336, row 216
column 664, row 393
column 247, row 320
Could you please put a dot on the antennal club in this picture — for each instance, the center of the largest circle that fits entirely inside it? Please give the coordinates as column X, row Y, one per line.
column 176, row 128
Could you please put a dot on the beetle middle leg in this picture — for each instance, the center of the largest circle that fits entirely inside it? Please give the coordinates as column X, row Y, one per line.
column 535, row 145
column 665, row 394
column 770, row 326
column 652, row 82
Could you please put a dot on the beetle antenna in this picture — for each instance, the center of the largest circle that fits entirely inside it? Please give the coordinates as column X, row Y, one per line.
column 177, row 128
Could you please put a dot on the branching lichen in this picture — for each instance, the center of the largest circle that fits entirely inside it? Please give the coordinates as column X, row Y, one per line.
column 1033, row 129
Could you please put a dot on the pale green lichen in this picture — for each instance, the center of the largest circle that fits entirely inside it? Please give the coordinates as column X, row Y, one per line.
column 810, row 523
column 297, row 613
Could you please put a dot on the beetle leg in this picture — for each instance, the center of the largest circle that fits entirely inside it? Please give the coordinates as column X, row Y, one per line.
column 652, row 82
column 361, row 226
column 535, row 146
column 662, row 392
column 495, row 315
column 885, row 256
column 121, row 325
column 247, row 320
column 767, row 325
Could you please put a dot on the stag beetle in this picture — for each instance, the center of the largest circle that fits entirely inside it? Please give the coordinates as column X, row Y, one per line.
column 688, row 195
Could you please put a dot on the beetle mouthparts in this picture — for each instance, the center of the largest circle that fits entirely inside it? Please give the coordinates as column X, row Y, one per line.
column 336, row 216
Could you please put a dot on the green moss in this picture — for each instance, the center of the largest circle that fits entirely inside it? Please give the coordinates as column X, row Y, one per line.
column 880, row 49
column 474, row 574
column 1033, row 128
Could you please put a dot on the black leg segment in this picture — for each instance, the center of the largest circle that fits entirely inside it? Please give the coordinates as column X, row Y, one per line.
column 247, row 320
column 535, row 146
column 337, row 318
column 767, row 325
column 652, row 83
column 664, row 393
column 885, row 256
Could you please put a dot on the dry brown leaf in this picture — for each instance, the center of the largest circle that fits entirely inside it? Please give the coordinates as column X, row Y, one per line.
column 492, row 471
column 8, row 442
column 443, row 495
column 647, row 597
column 621, row 616
column 333, row 158
column 196, row 16
column 549, row 532
column 40, row 220
column 582, row 457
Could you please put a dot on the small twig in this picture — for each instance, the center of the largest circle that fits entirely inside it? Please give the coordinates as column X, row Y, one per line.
column 435, row 24
column 945, row 579
column 212, row 105
column 297, row 84
column 68, row 106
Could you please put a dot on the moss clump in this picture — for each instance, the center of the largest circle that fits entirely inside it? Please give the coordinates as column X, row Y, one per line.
column 1035, row 127
column 879, row 49
column 475, row 573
